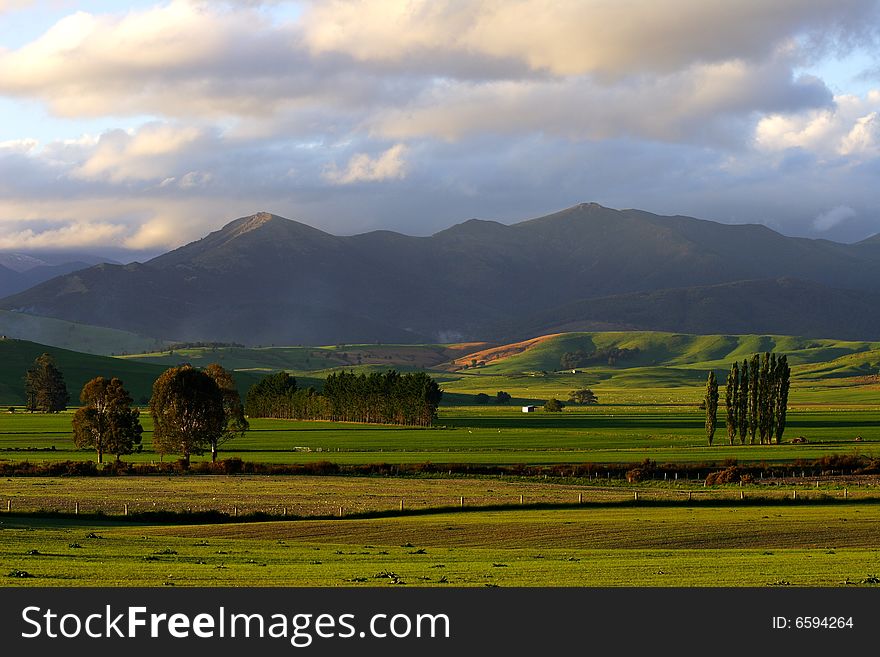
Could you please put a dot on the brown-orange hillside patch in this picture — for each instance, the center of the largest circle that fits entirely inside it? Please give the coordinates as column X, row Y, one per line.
column 503, row 351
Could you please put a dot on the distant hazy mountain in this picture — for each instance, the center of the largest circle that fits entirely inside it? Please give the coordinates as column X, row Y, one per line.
column 264, row 279
column 19, row 271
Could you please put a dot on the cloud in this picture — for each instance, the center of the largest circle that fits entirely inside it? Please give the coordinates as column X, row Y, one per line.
column 500, row 109
column 849, row 127
column 7, row 6
column 70, row 235
column 389, row 165
column 692, row 105
column 151, row 152
column 595, row 37
column 828, row 220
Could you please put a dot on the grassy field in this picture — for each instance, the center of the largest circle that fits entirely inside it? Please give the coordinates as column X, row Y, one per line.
column 648, row 409
column 504, row 435
column 822, row 545
column 306, row 496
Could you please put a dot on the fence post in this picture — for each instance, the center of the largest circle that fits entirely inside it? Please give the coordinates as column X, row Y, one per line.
column 235, row 511
column 580, row 498
column 636, row 496
column 285, row 511
column 76, row 508
column 340, row 512
column 742, row 495
column 125, row 509
column 845, row 493
column 689, row 496
column 401, row 505
column 521, row 499
column 461, row 501
column 8, row 506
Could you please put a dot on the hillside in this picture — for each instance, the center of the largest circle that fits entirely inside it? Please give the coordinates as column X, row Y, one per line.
column 647, row 350
column 73, row 336
column 265, row 280
column 781, row 306
column 18, row 355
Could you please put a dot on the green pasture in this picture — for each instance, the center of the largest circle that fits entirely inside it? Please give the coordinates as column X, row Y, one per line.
column 502, row 435
column 775, row 545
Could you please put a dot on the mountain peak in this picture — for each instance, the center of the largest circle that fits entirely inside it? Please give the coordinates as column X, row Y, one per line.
column 251, row 223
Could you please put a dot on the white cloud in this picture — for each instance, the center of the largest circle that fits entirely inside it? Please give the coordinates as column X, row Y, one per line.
column 389, row 165
column 149, row 153
column 78, row 234
column 512, row 106
column 828, row 220
column 7, row 6
column 570, row 37
column 850, row 127
column 19, row 145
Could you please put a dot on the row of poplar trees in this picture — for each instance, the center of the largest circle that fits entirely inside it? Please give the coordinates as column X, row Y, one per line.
column 755, row 399
column 379, row 398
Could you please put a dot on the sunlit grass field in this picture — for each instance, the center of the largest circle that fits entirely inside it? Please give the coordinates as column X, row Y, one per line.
column 823, row 545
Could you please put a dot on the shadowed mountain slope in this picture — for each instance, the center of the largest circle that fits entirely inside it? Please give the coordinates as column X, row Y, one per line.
column 264, row 279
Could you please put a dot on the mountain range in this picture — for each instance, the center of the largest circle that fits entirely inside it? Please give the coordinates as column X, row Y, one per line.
column 264, row 279
column 20, row 271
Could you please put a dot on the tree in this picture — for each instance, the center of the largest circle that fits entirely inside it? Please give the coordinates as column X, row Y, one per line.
column 783, row 382
column 553, row 405
column 731, row 402
column 44, row 386
column 188, row 413
column 233, row 411
column 743, row 402
column 583, row 396
column 481, row 398
column 711, row 401
column 106, row 421
column 271, row 396
column 502, row 397
column 754, row 390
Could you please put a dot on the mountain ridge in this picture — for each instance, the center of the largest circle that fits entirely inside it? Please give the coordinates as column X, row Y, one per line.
column 264, row 279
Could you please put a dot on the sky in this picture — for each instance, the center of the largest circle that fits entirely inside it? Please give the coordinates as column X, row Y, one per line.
column 137, row 127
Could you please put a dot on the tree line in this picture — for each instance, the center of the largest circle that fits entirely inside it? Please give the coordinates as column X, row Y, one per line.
column 755, row 399
column 381, row 398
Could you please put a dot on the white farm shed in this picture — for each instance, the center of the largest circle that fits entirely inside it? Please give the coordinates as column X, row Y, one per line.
column 528, row 409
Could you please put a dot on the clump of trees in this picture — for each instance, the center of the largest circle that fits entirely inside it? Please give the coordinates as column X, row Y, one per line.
column 106, row 420
column 502, row 397
column 382, row 398
column 553, row 405
column 756, row 399
column 583, row 396
column 44, row 387
column 580, row 358
column 193, row 413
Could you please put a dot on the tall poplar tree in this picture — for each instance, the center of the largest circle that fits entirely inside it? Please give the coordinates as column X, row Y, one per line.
column 731, row 402
column 755, row 383
column 711, row 405
column 783, row 383
column 743, row 402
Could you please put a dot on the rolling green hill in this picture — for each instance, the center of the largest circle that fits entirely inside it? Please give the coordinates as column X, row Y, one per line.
column 17, row 356
column 71, row 335
column 657, row 351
